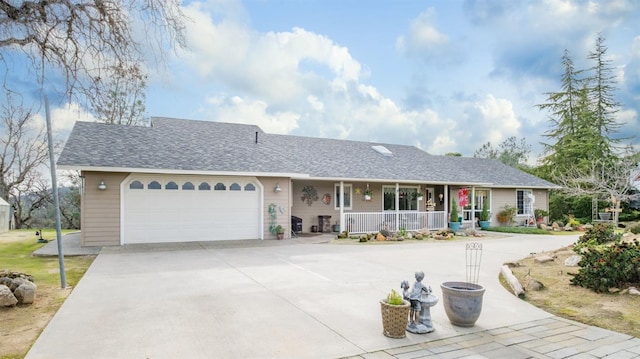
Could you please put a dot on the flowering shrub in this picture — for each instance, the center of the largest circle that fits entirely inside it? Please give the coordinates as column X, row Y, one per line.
column 608, row 266
column 601, row 233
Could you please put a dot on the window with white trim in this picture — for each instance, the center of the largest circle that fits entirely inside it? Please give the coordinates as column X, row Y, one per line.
column 524, row 201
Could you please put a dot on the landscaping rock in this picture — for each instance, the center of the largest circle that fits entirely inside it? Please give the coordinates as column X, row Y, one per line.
column 380, row 237
column 26, row 293
column 545, row 227
column 572, row 261
column 533, row 284
column 634, row 291
column 544, row 259
column 7, row 299
column 7, row 281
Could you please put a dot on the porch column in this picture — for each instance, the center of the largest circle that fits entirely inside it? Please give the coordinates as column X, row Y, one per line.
column 342, row 205
column 473, row 207
column 446, row 204
column 397, row 206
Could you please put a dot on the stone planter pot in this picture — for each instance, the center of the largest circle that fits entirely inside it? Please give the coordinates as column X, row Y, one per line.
column 395, row 319
column 455, row 226
column 485, row 224
column 462, row 302
column 604, row 216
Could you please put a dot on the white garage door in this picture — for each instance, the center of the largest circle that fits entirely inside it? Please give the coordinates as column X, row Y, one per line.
column 165, row 208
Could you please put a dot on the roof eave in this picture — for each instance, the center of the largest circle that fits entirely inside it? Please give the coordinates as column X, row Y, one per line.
column 180, row 171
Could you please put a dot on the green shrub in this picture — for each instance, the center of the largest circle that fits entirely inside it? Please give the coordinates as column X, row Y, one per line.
column 601, row 233
column 484, row 215
column 454, row 212
column 608, row 266
column 635, row 229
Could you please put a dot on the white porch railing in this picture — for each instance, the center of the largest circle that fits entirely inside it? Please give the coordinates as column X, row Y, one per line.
column 368, row 222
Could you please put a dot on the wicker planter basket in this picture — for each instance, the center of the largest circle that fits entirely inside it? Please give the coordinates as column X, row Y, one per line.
column 394, row 319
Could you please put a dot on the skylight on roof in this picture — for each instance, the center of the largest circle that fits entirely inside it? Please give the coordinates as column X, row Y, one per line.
column 382, row 150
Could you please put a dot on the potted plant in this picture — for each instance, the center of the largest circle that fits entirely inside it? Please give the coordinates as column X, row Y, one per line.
column 462, row 301
column 368, row 194
column 485, row 218
column 540, row 214
column 454, row 220
column 279, row 231
column 507, row 214
column 395, row 315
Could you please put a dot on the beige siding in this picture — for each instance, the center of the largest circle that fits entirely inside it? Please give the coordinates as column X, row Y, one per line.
column 500, row 197
column 282, row 202
column 310, row 213
column 101, row 209
column 507, row 196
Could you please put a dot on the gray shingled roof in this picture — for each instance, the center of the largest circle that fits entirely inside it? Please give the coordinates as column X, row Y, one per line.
column 214, row 147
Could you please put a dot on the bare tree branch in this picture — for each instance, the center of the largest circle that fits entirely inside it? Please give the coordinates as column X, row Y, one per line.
column 23, row 149
column 85, row 39
column 608, row 179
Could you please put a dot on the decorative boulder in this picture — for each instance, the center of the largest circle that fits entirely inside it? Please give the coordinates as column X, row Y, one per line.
column 543, row 259
column 533, row 284
column 572, row 261
column 7, row 281
column 26, row 293
column 7, row 299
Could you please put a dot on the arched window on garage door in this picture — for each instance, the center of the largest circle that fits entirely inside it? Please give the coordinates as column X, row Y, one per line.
column 136, row 185
column 249, row 187
column 220, row 187
column 154, row 185
column 188, row 186
column 204, row 186
column 235, row 187
column 171, row 185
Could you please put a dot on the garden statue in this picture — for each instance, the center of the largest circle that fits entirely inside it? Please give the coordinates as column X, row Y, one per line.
column 421, row 300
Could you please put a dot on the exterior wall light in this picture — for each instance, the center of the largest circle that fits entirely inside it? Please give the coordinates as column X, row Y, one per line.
column 441, row 198
column 102, row 186
column 277, row 189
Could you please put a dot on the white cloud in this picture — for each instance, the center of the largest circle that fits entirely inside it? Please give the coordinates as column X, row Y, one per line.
column 498, row 118
column 63, row 118
column 279, row 67
column 241, row 110
column 424, row 40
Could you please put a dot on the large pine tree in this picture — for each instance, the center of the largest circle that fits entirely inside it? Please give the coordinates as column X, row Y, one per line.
column 581, row 115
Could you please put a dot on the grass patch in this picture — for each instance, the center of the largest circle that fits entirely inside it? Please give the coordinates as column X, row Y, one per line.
column 21, row 325
column 522, row 230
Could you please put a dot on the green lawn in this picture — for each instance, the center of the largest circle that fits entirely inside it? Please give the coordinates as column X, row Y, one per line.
column 21, row 325
column 525, row 230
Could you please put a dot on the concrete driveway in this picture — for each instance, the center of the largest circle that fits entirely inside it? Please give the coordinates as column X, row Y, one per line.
column 284, row 299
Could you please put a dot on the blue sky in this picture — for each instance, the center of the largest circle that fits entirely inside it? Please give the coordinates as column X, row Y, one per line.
column 445, row 76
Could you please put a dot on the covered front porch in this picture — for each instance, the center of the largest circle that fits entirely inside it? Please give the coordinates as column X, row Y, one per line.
column 365, row 207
